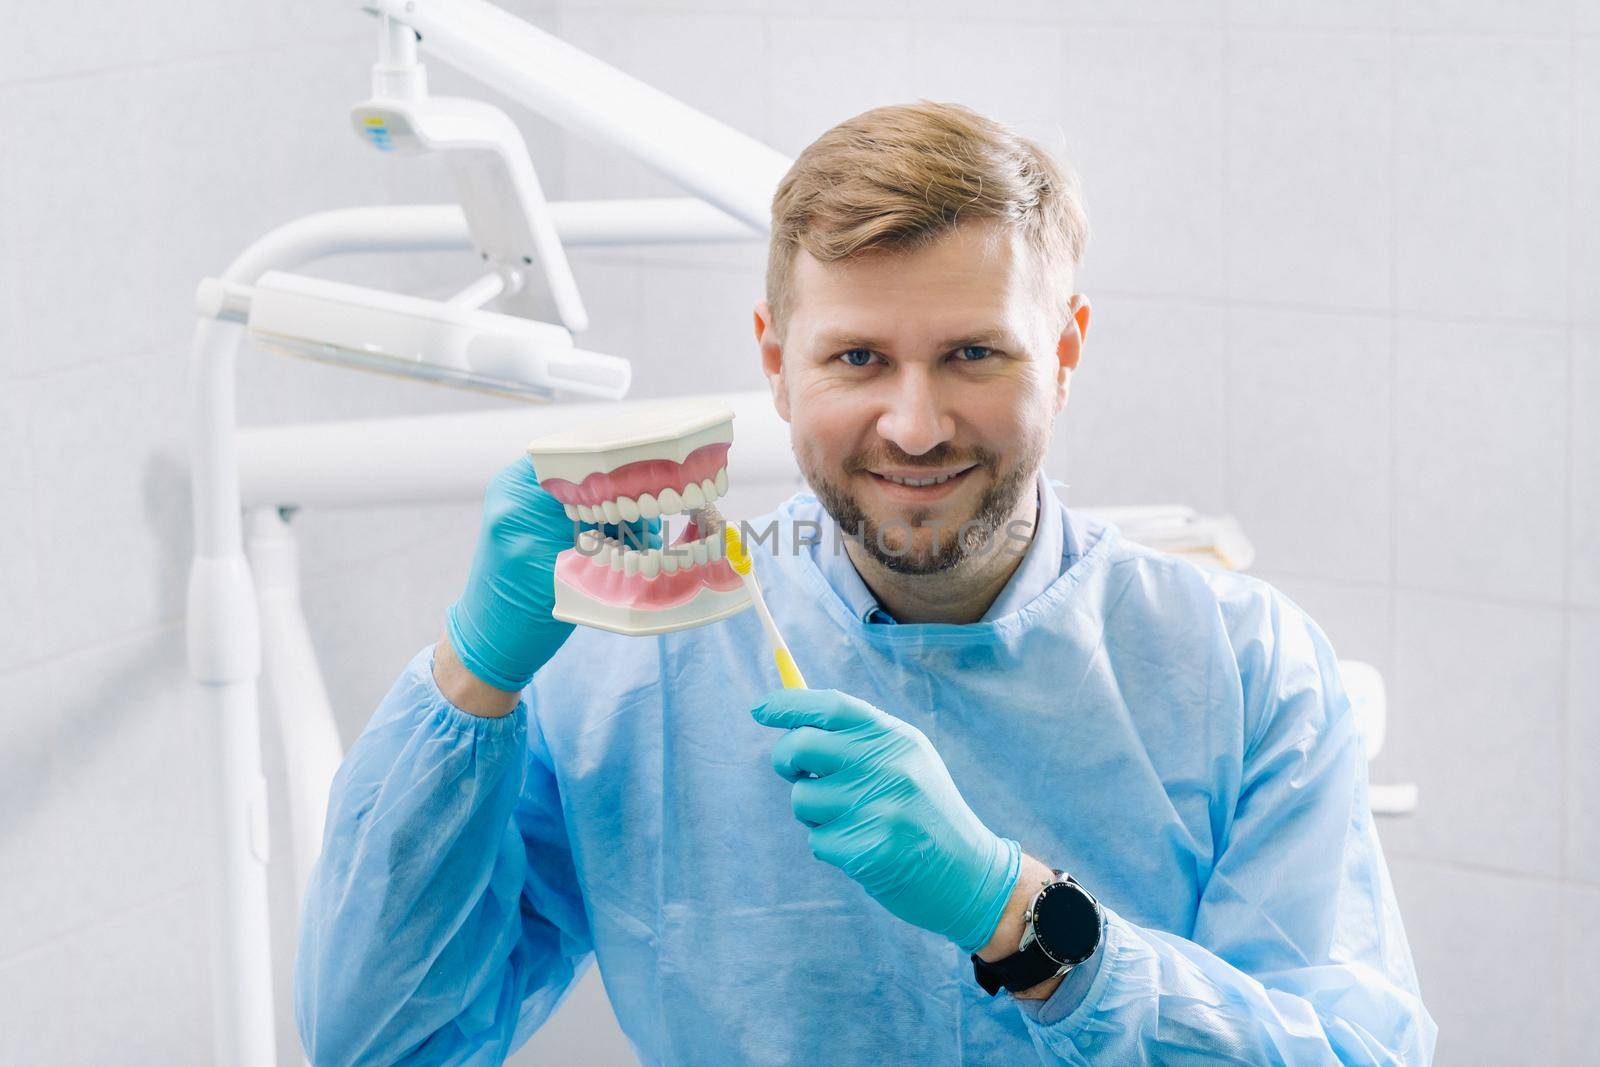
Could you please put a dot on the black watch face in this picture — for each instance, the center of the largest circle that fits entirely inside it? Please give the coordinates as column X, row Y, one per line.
column 1066, row 923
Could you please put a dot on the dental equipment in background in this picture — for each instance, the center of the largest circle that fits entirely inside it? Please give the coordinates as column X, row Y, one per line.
column 503, row 219
column 1212, row 540
column 407, row 336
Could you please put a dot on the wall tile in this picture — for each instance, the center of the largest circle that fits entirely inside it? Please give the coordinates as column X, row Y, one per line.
column 1584, row 543
column 826, row 70
column 855, row 9
column 1009, row 71
column 695, row 328
column 949, row 11
column 1480, row 458
column 14, row 357
column 74, row 37
column 747, row 256
column 1586, row 176
column 1349, row 14
column 1307, row 200
column 146, row 1022
column 33, row 854
column 332, row 541
column 1481, row 175
column 1162, row 13
column 156, row 222
column 131, row 987
column 1144, row 129
column 1580, row 950
column 113, row 516
column 714, row 62
column 111, row 814
column 1499, row 1013
column 1476, row 700
column 632, row 8
column 1309, row 440
column 1581, row 746
column 1458, row 16
column 1144, row 423
column 1038, row 11
column 22, row 635
column 609, row 282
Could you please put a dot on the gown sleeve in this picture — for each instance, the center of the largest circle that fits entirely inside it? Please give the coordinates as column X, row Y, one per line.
column 444, row 909
column 1297, row 955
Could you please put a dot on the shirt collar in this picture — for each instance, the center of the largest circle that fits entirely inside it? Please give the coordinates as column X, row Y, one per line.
column 1049, row 554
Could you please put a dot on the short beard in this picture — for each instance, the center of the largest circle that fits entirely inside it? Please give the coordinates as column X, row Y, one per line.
column 951, row 547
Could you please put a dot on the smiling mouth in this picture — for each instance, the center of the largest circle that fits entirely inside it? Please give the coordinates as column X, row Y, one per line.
column 918, row 483
column 931, row 481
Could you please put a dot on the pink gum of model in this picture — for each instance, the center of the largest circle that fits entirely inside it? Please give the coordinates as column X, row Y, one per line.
column 640, row 477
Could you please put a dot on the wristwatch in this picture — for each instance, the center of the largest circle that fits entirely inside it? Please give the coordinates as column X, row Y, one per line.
column 1060, row 930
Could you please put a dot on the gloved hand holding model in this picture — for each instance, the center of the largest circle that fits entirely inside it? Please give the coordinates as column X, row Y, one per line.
column 502, row 627
column 882, row 808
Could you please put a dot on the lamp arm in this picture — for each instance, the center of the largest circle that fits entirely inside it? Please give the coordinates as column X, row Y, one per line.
column 727, row 168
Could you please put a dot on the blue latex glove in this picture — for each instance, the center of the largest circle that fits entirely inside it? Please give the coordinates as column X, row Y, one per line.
column 502, row 628
column 882, row 808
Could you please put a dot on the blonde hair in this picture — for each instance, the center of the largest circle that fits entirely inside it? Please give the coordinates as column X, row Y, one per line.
column 896, row 178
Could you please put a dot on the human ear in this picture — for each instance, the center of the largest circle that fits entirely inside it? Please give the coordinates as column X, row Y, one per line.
column 1069, row 346
column 772, row 358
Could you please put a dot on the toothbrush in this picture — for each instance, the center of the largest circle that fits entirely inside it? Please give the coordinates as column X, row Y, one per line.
column 739, row 560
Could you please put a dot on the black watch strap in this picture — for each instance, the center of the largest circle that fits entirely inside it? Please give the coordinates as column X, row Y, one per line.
column 1032, row 965
column 1017, row 972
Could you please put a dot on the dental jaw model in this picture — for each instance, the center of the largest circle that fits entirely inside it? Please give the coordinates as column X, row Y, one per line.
column 654, row 464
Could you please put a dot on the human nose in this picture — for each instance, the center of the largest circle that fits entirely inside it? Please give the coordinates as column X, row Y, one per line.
column 915, row 420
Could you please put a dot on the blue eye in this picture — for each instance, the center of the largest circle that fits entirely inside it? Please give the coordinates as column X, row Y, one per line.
column 857, row 357
column 973, row 353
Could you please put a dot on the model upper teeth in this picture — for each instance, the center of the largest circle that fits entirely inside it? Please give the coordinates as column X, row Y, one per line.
column 918, row 482
column 666, row 502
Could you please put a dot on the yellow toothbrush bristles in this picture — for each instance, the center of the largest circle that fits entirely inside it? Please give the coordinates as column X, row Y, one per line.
column 738, row 558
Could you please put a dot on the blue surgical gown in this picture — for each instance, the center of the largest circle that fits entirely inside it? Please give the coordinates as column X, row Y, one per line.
column 1176, row 738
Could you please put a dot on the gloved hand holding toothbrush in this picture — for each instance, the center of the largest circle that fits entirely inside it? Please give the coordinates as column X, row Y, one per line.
column 882, row 808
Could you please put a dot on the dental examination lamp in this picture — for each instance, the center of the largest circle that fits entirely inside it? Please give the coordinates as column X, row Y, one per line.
column 447, row 343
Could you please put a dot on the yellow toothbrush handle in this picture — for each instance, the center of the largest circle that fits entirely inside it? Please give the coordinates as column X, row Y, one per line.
column 787, row 670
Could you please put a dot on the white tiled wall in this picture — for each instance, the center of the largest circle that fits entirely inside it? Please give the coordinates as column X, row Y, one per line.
column 1346, row 274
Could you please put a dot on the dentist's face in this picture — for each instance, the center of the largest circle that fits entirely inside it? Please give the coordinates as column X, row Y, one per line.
column 921, row 387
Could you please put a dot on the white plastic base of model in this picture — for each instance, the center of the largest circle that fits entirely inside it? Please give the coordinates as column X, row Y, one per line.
column 669, row 430
column 708, row 605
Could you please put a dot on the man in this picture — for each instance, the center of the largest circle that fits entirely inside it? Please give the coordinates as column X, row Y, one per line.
column 1078, row 803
